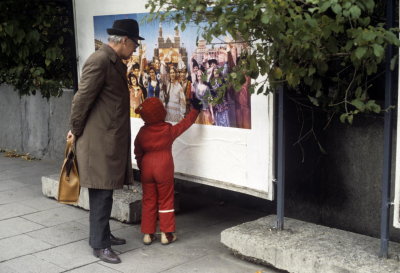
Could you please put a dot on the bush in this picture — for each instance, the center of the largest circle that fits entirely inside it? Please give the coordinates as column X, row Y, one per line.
column 36, row 46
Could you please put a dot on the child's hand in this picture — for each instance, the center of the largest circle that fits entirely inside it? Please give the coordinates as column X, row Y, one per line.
column 196, row 103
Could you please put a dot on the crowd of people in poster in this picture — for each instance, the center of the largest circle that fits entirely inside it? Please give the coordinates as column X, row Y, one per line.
column 175, row 77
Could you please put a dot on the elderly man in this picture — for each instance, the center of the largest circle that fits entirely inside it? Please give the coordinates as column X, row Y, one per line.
column 101, row 127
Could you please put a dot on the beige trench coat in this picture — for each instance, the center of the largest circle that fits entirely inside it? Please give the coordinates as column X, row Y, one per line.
column 100, row 121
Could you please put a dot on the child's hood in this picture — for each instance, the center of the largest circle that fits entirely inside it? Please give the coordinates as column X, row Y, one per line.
column 152, row 111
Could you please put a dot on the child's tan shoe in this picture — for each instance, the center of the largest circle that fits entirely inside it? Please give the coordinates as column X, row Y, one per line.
column 149, row 238
column 168, row 237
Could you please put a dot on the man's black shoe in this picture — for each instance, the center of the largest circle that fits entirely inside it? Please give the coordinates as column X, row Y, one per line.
column 116, row 241
column 107, row 255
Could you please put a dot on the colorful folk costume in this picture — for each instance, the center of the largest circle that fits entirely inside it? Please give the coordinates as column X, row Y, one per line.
column 153, row 88
column 136, row 98
column 187, row 90
column 201, row 92
column 153, row 151
column 221, row 111
column 174, row 100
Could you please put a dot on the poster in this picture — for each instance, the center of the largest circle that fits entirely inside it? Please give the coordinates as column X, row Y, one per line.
column 230, row 145
column 198, row 69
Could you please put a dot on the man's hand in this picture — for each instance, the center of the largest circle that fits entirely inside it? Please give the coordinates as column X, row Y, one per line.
column 70, row 136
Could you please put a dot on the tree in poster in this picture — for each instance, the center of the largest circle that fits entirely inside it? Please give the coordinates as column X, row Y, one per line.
column 328, row 51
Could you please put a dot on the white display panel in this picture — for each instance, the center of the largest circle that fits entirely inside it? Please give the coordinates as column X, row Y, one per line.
column 231, row 158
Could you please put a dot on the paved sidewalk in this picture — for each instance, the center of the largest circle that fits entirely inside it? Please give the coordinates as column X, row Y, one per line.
column 37, row 234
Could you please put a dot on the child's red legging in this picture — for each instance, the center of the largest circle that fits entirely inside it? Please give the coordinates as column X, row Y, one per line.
column 158, row 200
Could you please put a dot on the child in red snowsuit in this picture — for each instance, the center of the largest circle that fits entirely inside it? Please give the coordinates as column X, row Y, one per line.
column 153, row 151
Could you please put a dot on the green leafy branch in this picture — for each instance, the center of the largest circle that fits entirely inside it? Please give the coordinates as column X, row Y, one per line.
column 35, row 51
column 329, row 51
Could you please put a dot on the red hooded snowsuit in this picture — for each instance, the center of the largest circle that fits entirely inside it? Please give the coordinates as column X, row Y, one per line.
column 153, row 151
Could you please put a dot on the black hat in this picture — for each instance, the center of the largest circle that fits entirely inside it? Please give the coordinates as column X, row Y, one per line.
column 135, row 66
column 212, row 61
column 194, row 62
column 125, row 27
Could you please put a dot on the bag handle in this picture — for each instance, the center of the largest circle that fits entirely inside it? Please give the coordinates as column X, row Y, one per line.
column 70, row 146
column 69, row 156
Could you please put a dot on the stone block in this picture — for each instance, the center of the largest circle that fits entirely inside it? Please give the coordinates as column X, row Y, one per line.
column 127, row 202
column 308, row 248
column 50, row 185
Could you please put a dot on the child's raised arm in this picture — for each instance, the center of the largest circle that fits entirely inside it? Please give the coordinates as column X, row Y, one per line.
column 185, row 123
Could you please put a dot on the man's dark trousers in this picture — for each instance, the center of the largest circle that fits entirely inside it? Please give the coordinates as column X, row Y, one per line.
column 100, row 211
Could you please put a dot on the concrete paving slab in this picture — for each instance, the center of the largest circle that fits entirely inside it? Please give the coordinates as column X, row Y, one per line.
column 114, row 225
column 214, row 215
column 218, row 258
column 208, row 239
column 10, row 184
column 41, row 203
column 61, row 234
column 218, row 263
column 20, row 194
column 56, row 216
column 16, row 226
column 154, row 258
column 20, row 245
column 184, row 223
column 307, row 248
column 29, row 264
column 25, row 174
column 8, row 163
column 93, row 268
column 193, row 245
column 14, row 210
column 7, row 268
column 69, row 256
column 133, row 238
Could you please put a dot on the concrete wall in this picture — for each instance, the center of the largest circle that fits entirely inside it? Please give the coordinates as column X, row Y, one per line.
column 32, row 124
column 342, row 187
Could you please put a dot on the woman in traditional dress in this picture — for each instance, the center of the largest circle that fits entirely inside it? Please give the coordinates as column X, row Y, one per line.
column 221, row 110
column 186, row 86
column 153, row 85
column 173, row 97
column 136, row 94
column 202, row 92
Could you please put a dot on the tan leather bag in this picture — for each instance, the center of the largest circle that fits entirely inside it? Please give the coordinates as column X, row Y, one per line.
column 69, row 186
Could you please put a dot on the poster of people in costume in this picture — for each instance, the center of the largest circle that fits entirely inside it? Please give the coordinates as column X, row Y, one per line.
column 176, row 66
column 231, row 144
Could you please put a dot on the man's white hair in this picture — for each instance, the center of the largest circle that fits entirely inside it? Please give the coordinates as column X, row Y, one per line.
column 115, row 39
